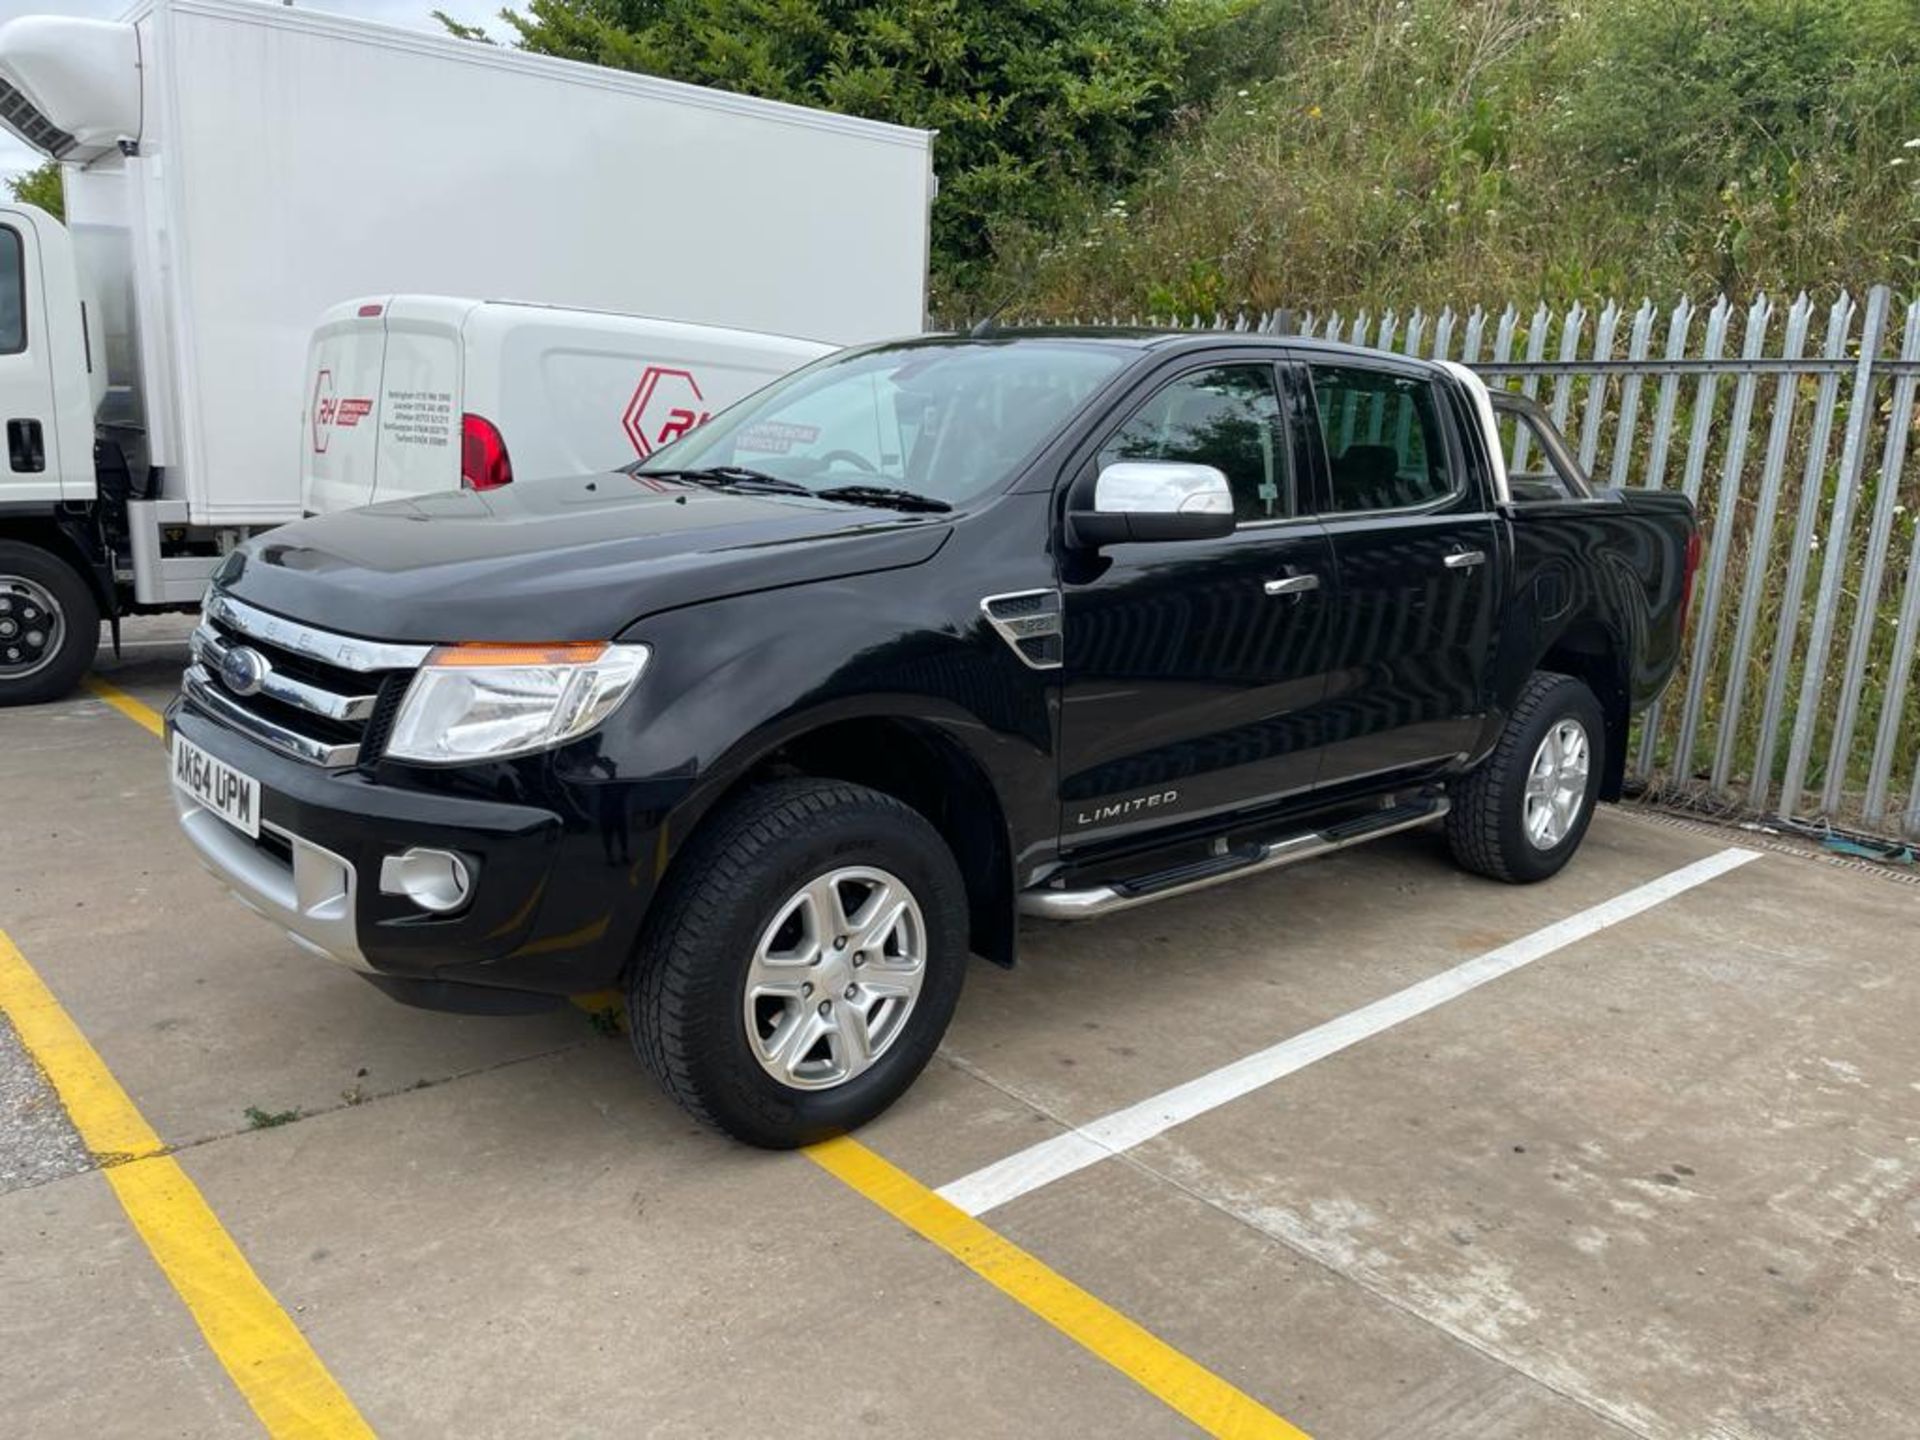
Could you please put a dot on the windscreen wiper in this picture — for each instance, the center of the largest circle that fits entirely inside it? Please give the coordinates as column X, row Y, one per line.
column 883, row 495
column 730, row 477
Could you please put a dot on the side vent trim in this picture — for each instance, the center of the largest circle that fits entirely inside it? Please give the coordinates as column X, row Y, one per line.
column 1030, row 621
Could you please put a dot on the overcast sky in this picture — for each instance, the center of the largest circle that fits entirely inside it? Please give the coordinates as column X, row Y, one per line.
column 414, row 14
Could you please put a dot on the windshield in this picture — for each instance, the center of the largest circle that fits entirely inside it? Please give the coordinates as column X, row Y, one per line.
column 945, row 420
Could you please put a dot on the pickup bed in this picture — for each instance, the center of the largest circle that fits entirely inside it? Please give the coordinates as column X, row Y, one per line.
column 775, row 729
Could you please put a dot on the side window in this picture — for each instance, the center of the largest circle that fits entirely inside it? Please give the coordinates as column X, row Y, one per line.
column 1385, row 448
column 1227, row 417
column 13, row 294
column 1547, row 471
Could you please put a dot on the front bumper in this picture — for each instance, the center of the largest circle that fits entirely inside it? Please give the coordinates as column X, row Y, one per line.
column 554, row 908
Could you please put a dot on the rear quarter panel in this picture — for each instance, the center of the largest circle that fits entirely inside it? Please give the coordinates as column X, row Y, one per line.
column 1612, row 566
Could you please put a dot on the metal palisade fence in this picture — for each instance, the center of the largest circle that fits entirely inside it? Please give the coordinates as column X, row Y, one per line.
column 1789, row 426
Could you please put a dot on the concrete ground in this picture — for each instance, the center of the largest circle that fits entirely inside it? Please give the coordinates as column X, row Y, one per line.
column 1664, row 1181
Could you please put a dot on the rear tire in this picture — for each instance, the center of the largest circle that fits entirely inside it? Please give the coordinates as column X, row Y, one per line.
column 1523, row 813
column 49, row 625
column 725, row 1007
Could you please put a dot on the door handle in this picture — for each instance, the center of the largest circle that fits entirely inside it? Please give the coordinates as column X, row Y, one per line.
column 1465, row 559
column 26, row 447
column 1293, row 585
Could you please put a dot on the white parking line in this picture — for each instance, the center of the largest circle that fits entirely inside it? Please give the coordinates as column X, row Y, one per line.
column 1051, row 1160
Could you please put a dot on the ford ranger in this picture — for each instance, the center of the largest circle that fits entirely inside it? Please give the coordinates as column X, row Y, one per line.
column 776, row 729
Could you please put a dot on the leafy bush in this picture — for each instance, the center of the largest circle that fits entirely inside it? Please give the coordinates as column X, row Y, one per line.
column 1407, row 150
column 40, row 186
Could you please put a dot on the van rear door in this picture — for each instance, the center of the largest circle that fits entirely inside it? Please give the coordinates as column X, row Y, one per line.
column 383, row 401
column 419, row 398
column 339, row 443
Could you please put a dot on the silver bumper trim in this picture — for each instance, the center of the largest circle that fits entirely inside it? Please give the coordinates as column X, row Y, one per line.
column 312, row 899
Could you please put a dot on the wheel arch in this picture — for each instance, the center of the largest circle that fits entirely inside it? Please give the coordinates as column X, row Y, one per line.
column 44, row 532
column 912, row 758
column 1591, row 653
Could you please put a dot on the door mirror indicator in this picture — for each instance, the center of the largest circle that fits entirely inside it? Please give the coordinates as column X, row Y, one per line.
column 1154, row 500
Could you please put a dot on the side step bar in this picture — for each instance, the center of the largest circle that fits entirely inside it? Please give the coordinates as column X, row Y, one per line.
column 1060, row 904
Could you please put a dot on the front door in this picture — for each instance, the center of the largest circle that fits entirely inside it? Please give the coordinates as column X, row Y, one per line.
column 1415, row 545
column 31, row 469
column 1194, row 670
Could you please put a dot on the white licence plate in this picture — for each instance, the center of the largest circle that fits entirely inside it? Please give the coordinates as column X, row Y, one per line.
column 234, row 797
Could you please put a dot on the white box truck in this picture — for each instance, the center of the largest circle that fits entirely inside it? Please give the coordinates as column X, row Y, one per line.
column 408, row 394
column 234, row 169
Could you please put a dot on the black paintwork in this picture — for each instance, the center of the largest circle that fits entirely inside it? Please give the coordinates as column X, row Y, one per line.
column 793, row 631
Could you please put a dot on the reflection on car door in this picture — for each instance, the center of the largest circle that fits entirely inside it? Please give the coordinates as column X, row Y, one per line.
column 1414, row 544
column 1194, row 670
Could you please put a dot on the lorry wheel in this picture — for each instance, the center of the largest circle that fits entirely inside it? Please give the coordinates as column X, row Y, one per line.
column 803, row 963
column 1523, row 813
column 49, row 625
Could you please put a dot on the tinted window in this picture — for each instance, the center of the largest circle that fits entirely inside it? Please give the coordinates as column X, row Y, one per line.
column 947, row 419
column 13, row 293
column 1383, row 438
column 1229, row 418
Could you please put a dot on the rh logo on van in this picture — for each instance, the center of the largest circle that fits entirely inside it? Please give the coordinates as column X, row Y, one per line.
column 328, row 412
column 666, row 404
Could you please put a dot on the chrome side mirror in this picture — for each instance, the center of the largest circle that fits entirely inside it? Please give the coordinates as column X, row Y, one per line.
column 1154, row 500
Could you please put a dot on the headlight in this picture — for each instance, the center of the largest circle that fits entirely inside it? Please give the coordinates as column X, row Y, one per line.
column 487, row 702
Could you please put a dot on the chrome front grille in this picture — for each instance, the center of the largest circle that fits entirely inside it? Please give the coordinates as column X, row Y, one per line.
column 306, row 692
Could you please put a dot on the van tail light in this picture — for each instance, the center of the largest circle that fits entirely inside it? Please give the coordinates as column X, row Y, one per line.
column 483, row 455
column 1687, row 578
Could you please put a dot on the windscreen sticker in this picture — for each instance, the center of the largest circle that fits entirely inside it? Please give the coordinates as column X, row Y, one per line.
column 775, row 437
column 419, row 417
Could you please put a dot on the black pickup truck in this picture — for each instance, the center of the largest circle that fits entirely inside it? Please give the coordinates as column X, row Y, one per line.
column 775, row 729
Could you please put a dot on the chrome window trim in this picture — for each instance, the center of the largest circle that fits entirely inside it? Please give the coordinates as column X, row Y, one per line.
column 198, row 687
column 348, row 652
column 206, row 645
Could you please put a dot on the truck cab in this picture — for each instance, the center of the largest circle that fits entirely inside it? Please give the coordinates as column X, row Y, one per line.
column 154, row 348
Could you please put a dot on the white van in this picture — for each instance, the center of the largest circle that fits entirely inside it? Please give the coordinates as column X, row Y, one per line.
column 407, row 394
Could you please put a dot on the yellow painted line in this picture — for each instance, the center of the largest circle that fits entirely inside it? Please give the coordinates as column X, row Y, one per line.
column 142, row 715
column 1155, row 1366
column 269, row 1359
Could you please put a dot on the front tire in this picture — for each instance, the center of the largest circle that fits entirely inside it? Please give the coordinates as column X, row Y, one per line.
column 1523, row 813
column 802, row 964
column 49, row 625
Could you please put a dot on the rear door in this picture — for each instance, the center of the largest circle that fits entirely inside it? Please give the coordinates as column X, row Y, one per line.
column 1194, row 671
column 1415, row 547
column 339, row 444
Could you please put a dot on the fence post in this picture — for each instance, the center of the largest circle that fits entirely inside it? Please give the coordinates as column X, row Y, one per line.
column 1892, row 462
column 1596, row 406
column 1820, row 638
column 1698, row 437
column 1630, row 393
column 1677, row 328
column 1760, row 542
column 1800, row 551
column 1725, row 507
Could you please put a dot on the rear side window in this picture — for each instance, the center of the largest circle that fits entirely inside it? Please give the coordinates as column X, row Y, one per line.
column 1385, row 449
column 1227, row 417
column 13, row 293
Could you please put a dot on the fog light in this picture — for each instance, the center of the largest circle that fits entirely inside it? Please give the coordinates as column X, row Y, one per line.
column 436, row 880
